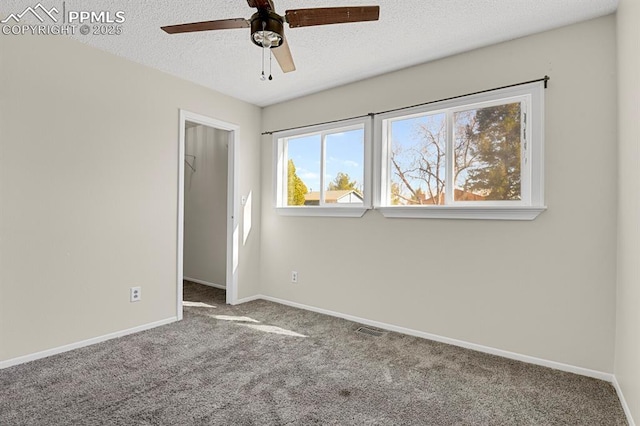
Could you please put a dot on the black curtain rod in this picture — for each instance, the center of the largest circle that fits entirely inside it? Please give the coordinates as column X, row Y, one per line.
column 546, row 78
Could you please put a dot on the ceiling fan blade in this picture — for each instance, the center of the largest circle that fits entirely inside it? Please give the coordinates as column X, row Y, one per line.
column 261, row 4
column 222, row 24
column 283, row 56
column 331, row 15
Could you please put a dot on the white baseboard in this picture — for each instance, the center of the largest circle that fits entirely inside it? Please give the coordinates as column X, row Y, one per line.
column 473, row 346
column 623, row 401
column 207, row 283
column 83, row 343
column 250, row 299
column 476, row 347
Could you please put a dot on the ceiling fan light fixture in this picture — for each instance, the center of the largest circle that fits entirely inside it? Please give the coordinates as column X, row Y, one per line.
column 266, row 30
column 267, row 39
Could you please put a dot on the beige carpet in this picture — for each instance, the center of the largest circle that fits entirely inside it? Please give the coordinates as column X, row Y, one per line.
column 262, row 363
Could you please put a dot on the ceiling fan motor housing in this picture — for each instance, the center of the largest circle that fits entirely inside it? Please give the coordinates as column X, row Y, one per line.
column 266, row 24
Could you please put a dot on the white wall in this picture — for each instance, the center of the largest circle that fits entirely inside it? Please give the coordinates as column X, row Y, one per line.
column 544, row 288
column 205, row 204
column 88, row 183
column 627, row 361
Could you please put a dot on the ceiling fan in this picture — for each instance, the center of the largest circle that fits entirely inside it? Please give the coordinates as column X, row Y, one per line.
column 267, row 27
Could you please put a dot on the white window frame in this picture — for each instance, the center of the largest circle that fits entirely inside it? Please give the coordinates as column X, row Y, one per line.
column 328, row 210
column 531, row 203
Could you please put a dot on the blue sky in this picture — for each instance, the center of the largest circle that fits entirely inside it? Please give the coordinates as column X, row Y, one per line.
column 344, row 153
column 345, row 150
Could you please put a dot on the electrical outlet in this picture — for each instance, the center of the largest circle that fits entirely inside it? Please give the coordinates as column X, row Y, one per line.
column 294, row 276
column 135, row 294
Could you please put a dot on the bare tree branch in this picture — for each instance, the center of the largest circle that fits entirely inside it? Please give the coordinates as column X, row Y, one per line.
column 401, row 175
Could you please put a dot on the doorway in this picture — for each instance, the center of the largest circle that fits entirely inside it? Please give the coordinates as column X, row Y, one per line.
column 213, row 256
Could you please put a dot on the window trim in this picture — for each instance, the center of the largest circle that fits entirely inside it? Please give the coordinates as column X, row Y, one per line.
column 511, row 210
column 325, row 210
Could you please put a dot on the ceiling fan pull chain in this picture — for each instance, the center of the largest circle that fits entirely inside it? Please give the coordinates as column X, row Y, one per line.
column 262, row 76
column 270, row 56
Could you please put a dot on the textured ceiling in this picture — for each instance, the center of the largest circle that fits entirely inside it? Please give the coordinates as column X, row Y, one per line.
column 409, row 32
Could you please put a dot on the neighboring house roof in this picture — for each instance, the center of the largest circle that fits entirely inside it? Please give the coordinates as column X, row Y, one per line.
column 459, row 195
column 331, row 196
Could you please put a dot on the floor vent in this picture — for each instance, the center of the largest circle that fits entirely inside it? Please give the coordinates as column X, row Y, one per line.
column 370, row 331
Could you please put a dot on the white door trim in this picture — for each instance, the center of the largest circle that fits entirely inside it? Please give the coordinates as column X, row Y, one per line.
column 232, row 204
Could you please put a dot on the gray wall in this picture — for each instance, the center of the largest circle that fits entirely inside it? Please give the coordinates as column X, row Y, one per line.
column 88, row 186
column 205, row 204
column 627, row 364
column 544, row 288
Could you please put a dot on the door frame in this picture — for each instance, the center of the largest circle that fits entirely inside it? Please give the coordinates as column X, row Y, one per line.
column 232, row 204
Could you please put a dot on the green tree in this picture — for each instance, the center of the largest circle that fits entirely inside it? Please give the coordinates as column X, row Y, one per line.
column 342, row 182
column 296, row 189
column 495, row 138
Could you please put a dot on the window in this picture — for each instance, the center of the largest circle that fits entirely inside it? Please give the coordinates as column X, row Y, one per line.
column 478, row 156
column 323, row 170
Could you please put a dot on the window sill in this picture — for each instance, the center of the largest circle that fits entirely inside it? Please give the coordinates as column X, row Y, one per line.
column 466, row 212
column 322, row 211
